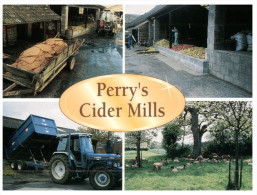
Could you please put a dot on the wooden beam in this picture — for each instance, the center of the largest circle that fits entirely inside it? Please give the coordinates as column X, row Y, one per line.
column 170, row 32
column 10, row 87
column 147, row 52
column 15, row 93
column 44, row 28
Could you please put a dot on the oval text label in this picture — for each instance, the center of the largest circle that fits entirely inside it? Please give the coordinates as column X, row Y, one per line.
column 122, row 102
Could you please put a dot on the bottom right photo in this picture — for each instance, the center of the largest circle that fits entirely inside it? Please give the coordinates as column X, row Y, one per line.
column 208, row 147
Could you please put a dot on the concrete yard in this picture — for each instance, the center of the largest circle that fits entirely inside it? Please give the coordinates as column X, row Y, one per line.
column 189, row 82
column 42, row 181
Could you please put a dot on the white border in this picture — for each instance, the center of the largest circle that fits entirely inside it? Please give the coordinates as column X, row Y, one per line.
column 253, row 2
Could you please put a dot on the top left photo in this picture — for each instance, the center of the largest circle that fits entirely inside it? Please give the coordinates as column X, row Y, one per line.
column 48, row 48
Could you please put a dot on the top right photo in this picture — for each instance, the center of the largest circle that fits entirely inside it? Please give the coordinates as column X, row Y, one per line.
column 203, row 50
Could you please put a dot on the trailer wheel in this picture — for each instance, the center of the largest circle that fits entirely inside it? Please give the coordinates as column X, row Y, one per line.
column 13, row 165
column 59, row 169
column 20, row 166
column 71, row 63
column 102, row 179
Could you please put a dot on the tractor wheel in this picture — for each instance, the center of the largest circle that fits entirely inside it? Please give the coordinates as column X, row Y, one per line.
column 13, row 165
column 60, row 169
column 102, row 179
column 71, row 63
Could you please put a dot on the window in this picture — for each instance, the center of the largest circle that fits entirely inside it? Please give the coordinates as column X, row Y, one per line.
column 76, row 145
column 62, row 144
column 86, row 145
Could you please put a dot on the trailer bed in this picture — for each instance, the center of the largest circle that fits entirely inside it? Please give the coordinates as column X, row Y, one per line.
column 36, row 82
column 35, row 135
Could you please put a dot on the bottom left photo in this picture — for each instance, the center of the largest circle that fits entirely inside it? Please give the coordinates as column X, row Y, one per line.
column 44, row 150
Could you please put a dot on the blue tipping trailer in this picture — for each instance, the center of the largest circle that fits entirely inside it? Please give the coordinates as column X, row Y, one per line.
column 32, row 144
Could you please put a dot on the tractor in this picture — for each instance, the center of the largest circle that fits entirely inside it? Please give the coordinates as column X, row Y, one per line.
column 107, row 23
column 76, row 157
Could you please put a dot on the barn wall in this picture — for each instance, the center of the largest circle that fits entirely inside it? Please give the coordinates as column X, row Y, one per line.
column 232, row 66
column 143, row 33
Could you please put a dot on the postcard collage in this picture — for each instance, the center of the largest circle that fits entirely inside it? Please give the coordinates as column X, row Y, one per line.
column 128, row 96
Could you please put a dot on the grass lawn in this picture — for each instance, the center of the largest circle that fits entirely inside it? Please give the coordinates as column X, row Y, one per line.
column 202, row 176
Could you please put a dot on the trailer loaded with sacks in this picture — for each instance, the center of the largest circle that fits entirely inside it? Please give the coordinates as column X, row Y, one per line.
column 37, row 66
column 36, row 144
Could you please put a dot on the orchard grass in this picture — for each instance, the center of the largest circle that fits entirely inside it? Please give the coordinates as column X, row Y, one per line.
column 202, row 176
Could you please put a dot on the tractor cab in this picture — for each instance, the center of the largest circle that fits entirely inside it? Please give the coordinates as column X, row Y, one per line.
column 77, row 146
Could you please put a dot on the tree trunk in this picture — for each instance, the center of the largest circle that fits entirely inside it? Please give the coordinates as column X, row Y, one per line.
column 230, row 184
column 229, row 172
column 241, row 172
column 236, row 177
column 138, row 150
column 196, row 133
column 196, row 148
column 200, row 142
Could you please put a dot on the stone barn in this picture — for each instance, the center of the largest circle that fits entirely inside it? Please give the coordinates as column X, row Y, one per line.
column 208, row 27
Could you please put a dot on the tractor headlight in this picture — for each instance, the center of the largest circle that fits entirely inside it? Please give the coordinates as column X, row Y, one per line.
column 109, row 163
column 117, row 164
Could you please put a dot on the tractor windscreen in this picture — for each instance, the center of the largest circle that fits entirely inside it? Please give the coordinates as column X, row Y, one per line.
column 62, row 144
column 86, row 145
column 103, row 16
column 109, row 16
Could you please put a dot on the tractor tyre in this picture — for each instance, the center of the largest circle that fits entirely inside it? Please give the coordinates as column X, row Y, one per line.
column 60, row 169
column 102, row 179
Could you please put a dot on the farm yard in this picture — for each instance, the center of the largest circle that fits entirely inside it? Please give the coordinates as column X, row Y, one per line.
column 200, row 176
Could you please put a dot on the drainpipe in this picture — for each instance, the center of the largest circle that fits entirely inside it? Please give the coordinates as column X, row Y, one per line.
column 149, row 30
column 170, row 31
column 138, row 35
column 153, row 29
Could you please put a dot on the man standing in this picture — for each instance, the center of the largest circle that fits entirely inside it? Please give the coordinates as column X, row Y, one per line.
column 130, row 40
column 175, row 30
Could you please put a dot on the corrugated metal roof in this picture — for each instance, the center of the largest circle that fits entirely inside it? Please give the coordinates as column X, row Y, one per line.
column 90, row 6
column 156, row 10
column 23, row 14
column 137, row 26
column 147, row 15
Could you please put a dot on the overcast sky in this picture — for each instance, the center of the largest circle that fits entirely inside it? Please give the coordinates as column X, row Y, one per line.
column 47, row 109
column 50, row 109
column 138, row 9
